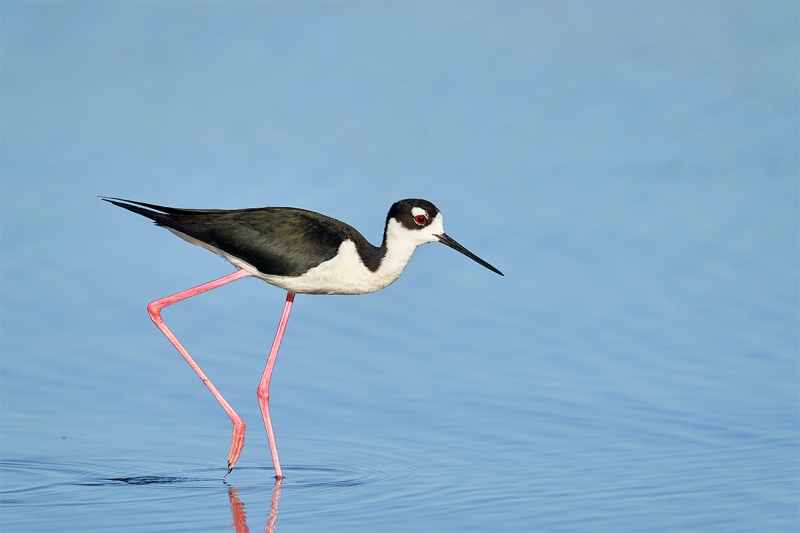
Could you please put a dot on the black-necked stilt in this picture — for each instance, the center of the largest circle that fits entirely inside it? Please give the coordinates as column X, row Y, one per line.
column 299, row 251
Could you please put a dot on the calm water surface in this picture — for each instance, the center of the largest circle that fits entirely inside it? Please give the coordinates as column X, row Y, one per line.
column 633, row 170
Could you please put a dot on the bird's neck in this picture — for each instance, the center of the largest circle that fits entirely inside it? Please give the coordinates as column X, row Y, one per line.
column 395, row 250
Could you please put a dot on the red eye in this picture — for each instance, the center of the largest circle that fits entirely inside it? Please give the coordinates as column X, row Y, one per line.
column 421, row 220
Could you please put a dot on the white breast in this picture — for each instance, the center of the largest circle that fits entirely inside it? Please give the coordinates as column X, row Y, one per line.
column 344, row 274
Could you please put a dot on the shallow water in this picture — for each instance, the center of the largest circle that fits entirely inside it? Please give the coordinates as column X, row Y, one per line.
column 633, row 170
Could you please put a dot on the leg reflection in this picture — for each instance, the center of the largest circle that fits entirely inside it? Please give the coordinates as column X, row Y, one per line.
column 240, row 515
column 273, row 507
column 238, row 512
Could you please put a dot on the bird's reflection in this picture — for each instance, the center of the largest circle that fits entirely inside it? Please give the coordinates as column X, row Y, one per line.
column 240, row 515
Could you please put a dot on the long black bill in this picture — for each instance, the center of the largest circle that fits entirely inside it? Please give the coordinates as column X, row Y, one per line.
column 445, row 239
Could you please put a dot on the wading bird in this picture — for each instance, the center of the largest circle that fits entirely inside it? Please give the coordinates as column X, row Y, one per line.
column 301, row 252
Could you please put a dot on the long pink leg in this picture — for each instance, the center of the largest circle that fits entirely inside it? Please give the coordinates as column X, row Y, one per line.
column 154, row 308
column 263, row 386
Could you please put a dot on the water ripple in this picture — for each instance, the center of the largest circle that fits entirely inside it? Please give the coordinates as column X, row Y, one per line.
column 117, row 493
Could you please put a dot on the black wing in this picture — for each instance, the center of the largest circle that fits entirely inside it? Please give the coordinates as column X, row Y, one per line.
column 281, row 241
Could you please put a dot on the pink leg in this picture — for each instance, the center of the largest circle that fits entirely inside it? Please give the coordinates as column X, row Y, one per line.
column 154, row 308
column 263, row 386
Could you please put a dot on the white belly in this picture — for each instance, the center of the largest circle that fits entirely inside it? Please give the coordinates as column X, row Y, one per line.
column 344, row 274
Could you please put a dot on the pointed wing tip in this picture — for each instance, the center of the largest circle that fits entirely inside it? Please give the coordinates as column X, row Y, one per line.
column 115, row 201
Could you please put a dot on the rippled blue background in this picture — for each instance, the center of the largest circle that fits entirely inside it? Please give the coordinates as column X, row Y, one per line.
column 631, row 167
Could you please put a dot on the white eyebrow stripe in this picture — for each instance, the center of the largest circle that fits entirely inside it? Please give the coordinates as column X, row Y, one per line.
column 416, row 211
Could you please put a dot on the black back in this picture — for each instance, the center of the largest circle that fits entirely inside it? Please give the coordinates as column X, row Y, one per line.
column 281, row 241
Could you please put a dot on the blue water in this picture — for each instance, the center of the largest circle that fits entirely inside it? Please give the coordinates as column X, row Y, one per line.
column 632, row 168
